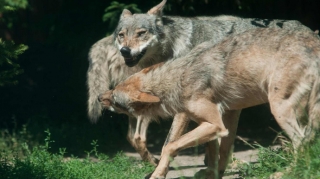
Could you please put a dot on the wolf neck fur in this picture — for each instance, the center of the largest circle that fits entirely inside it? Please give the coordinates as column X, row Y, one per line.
column 179, row 34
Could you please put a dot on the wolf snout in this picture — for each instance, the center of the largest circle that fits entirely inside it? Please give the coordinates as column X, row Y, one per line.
column 129, row 60
column 103, row 97
column 126, row 52
column 100, row 98
column 104, row 101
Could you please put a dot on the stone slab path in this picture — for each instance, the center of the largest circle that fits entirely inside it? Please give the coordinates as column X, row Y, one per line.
column 187, row 165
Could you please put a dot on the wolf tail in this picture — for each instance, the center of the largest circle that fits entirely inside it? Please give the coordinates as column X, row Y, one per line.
column 98, row 80
column 94, row 109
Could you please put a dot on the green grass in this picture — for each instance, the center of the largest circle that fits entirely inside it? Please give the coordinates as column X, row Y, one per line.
column 21, row 156
column 305, row 164
column 39, row 163
column 15, row 140
column 270, row 160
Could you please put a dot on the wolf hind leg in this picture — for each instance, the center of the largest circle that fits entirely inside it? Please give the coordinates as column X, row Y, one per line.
column 230, row 120
column 313, row 125
column 312, row 129
column 287, row 116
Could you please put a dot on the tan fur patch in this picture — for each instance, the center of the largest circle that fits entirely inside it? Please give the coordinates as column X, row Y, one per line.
column 146, row 70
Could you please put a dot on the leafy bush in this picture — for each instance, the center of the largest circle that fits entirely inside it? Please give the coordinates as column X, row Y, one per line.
column 112, row 12
column 13, row 142
column 9, row 68
column 9, row 5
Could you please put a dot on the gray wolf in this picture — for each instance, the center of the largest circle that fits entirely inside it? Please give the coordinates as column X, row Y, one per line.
column 141, row 40
column 275, row 66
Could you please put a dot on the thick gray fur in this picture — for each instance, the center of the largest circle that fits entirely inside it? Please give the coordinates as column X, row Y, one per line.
column 176, row 37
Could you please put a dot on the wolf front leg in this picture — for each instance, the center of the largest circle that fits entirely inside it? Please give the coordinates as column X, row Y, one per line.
column 203, row 133
column 211, row 127
column 178, row 127
column 137, row 137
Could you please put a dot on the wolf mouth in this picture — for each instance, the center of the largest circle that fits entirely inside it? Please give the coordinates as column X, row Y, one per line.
column 130, row 62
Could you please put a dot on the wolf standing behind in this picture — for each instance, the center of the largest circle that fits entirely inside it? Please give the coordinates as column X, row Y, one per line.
column 281, row 67
column 141, row 40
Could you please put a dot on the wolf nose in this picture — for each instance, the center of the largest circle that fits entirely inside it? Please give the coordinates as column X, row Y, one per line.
column 125, row 51
column 100, row 98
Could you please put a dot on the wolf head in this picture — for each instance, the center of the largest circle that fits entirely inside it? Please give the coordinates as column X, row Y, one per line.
column 127, row 98
column 136, row 34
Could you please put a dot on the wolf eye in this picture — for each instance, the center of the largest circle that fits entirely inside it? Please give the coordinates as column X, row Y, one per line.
column 142, row 33
column 121, row 35
column 113, row 98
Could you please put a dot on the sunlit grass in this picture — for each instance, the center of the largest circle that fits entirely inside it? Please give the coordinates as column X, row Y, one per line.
column 284, row 163
column 307, row 165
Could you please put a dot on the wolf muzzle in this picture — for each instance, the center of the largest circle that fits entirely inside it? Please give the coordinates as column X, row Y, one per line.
column 128, row 58
column 126, row 52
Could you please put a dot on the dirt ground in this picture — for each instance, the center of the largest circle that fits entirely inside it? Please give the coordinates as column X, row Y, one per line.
column 189, row 162
column 187, row 165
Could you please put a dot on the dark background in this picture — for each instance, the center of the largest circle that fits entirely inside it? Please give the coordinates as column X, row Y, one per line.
column 51, row 93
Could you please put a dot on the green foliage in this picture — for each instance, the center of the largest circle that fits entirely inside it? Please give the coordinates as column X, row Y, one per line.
column 112, row 12
column 304, row 164
column 307, row 163
column 15, row 140
column 270, row 160
column 9, row 68
column 10, row 5
column 39, row 163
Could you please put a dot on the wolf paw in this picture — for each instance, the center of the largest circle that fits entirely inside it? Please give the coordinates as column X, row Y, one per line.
column 206, row 174
column 154, row 161
column 150, row 177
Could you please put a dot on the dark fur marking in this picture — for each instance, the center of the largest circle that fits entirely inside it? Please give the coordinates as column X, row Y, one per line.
column 280, row 24
column 256, row 23
column 267, row 21
column 231, row 31
column 261, row 22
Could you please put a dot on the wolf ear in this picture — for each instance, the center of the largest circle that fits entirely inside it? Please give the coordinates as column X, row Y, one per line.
column 157, row 10
column 147, row 98
column 126, row 13
column 143, row 101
